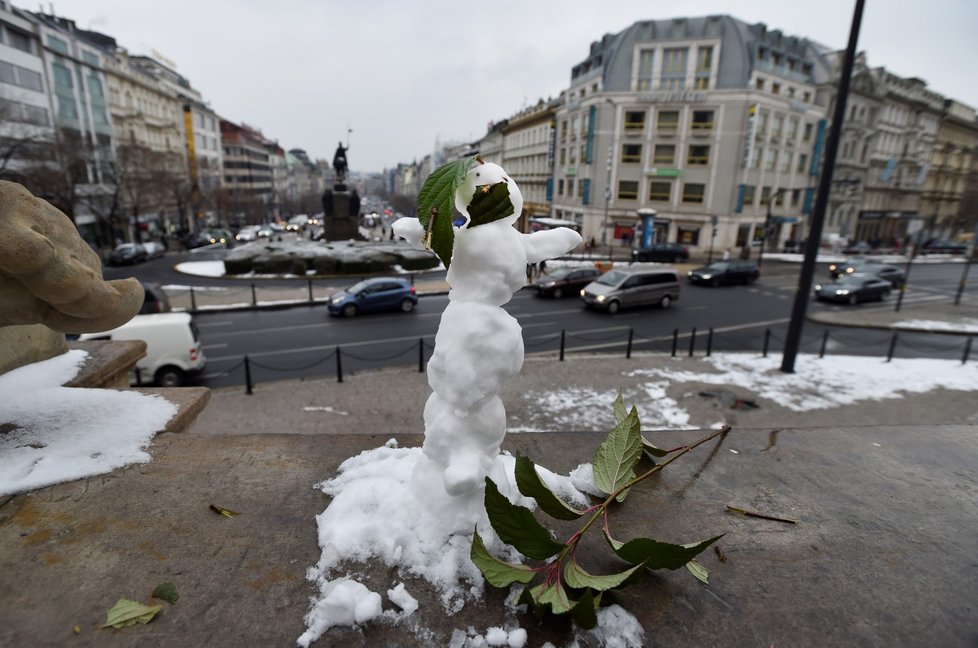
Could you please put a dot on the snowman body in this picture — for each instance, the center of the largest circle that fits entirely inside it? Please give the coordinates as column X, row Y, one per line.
column 478, row 347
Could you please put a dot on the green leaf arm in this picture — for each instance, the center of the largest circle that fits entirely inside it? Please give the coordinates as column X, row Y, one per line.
column 498, row 572
column 516, row 526
column 530, row 484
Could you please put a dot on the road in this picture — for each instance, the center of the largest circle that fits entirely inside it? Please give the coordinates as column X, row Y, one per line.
column 302, row 342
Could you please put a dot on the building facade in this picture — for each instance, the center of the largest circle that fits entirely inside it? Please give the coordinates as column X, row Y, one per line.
column 951, row 162
column 709, row 122
column 528, row 152
column 247, row 172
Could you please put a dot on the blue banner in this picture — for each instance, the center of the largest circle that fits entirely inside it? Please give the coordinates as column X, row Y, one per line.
column 586, row 198
column 819, row 144
column 648, row 227
column 740, row 198
column 550, row 189
column 590, row 133
column 806, row 205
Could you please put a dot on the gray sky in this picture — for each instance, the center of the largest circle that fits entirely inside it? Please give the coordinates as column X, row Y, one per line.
column 403, row 74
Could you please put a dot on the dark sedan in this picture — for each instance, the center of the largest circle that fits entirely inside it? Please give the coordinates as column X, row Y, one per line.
column 662, row 252
column 127, row 253
column 378, row 294
column 725, row 272
column 853, row 289
column 565, row 281
column 890, row 273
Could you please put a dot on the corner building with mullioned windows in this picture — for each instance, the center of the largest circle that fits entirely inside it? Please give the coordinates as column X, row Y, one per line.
column 714, row 123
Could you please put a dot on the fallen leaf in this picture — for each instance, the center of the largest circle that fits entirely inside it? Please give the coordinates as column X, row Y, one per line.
column 166, row 592
column 76, row 629
column 223, row 511
column 126, row 613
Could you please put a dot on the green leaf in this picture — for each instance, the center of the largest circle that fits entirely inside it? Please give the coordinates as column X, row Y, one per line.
column 575, row 576
column 126, row 613
column 436, row 206
column 490, row 203
column 658, row 555
column 223, row 511
column 516, row 526
column 616, row 456
column 620, row 410
column 653, row 450
column 499, row 573
column 556, row 597
column 529, row 482
column 166, row 592
column 584, row 612
column 699, row 571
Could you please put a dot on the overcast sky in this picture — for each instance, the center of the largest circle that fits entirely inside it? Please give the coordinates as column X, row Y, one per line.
column 405, row 74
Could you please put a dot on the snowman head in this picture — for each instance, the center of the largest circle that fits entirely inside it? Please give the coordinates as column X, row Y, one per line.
column 479, row 178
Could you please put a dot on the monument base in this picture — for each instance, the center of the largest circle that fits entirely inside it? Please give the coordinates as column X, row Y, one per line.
column 28, row 343
column 342, row 222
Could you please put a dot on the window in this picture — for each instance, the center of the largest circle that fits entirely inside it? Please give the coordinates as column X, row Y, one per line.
column 664, row 154
column 631, row 153
column 761, row 123
column 755, row 162
column 777, row 123
column 694, row 192
column 702, row 120
column 673, row 68
column 765, row 195
column 57, row 44
column 806, row 97
column 19, row 41
column 582, row 187
column 807, row 137
column 62, row 76
column 90, row 58
column 759, row 83
column 660, row 191
column 698, row 155
column 776, row 88
column 560, row 187
column 802, row 163
column 563, row 131
column 790, row 92
column 563, row 156
column 688, row 234
column 749, row 191
column 67, row 108
column 770, row 160
column 785, row 161
column 645, row 58
column 634, row 120
column 667, row 120
column 627, row 190
column 795, row 197
column 743, row 233
column 704, row 65
column 779, row 198
column 792, row 133
column 775, row 59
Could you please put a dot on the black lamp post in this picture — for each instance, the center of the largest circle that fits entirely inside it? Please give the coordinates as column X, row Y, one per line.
column 767, row 225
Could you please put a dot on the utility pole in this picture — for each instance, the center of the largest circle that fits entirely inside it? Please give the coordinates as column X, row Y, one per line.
column 607, row 200
column 800, row 306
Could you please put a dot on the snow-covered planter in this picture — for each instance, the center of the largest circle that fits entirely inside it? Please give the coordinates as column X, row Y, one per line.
column 300, row 257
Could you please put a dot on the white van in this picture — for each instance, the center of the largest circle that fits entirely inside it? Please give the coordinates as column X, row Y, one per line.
column 173, row 348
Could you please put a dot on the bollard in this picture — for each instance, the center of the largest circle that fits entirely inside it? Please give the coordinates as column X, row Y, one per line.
column 709, row 342
column 692, row 342
column 767, row 341
column 339, row 366
column 254, row 300
column 628, row 349
column 248, row 386
column 675, row 341
column 563, row 339
column 310, row 292
column 193, row 300
column 825, row 341
column 967, row 351
column 893, row 342
column 421, row 355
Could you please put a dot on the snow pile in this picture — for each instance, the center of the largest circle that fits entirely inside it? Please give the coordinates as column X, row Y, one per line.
column 61, row 434
column 966, row 325
column 416, row 509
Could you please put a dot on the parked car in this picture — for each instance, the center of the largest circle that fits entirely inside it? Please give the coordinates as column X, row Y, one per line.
column 127, row 254
column 853, row 289
column 891, row 273
column 938, row 246
column 155, row 301
column 635, row 285
column 725, row 272
column 173, row 349
column 565, row 281
column 664, row 252
column 377, row 294
column 216, row 236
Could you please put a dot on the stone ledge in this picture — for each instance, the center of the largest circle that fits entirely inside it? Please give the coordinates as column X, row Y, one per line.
column 108, row 363
column 190, row 402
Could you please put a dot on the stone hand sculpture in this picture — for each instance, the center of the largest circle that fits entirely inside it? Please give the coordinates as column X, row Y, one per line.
column 50, row 276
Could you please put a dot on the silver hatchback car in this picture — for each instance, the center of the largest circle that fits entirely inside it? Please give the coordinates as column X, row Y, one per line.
column 636, row 285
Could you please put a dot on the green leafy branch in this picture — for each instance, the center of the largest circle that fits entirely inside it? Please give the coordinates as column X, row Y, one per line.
column 567, row 587
column 436, row 205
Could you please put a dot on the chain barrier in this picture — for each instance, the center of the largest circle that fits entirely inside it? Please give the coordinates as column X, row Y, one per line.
column 299, row 368
column 586, row 338
column 547, row 340
column 380, row 358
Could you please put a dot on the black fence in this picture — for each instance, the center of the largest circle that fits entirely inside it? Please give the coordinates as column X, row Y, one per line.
column 625, row 342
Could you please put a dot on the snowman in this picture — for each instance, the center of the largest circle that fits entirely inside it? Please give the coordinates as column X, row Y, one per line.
column 477, row 348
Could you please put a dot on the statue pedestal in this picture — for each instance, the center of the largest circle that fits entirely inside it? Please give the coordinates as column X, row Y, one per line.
column 28, row 343
column 342, row 222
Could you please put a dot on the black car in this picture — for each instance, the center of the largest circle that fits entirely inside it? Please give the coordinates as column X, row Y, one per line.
column 663, row 252
column 938, row 246
column 853, row 289
column 565, row 281
column 725, row 272
column 127, row 253
column 156, row 301
column 890, row 273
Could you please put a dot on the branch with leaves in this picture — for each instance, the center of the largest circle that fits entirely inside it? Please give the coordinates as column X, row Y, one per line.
column 565, row 586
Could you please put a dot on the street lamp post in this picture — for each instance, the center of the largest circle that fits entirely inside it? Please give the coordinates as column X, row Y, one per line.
column 713, row 235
